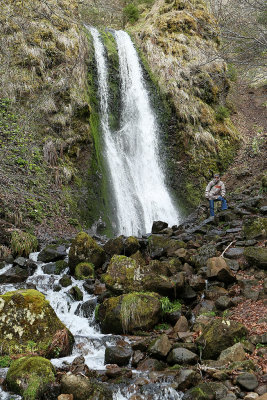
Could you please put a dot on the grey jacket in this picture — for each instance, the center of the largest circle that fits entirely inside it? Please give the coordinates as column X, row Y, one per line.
column 215, row 189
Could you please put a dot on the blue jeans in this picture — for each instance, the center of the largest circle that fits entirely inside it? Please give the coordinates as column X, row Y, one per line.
column 224, row 205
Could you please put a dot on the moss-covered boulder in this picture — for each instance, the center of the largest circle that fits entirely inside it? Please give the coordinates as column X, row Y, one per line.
column 83, row 388
column 28, row 322
column 160, row 245
column 115, row 246
column 28, row 376
column 256, row 256
column 131, row 245
column 255, row 228
column 85, row 249
column 129, row 313
column 218, row 335
column 123, row 275
column 207, row 391
column 84, row 271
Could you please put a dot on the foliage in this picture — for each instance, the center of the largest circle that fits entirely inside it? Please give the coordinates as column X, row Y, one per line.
column 162, row 327
column 131, row 13
column 23, row 243
column 222, row 113
column 232, row 72
column 167, row 306
column 5, row 361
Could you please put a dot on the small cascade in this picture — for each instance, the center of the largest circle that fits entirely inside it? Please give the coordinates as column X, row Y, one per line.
column 132, row 152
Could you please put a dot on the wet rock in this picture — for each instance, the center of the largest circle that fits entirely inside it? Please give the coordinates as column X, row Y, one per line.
column 55, row 268
column 159, row 226
column 119, row 355
column 115, row 246
column 247, row 381
column 219, row 335
column 223, row 303
column 188, row 293
column 251, row 396
column 14, row 275
column 217, row 268
column 83, row 388
column 65, row 281
column 207, row 391
column 256, row 256
column 87, row 308
column 84, row 270
column 197, row 282
column 52, row 253
column 76, row 293
column 137, row 357
column 233, row 353
column 172, row 317
column 160, row 347
column 99, row 288
column 187, row 378
column 234, row 252
column 85, row 249
column 78, row 366
column 130, row 312
column 30, row 375
column 181, row 356
column 151, row 364
column 204, row 253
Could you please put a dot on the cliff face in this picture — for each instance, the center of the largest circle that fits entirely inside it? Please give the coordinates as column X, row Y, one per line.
column 179, row 40
column 44, row 111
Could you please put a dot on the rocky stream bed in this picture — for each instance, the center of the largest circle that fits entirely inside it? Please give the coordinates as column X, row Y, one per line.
column 176, row 314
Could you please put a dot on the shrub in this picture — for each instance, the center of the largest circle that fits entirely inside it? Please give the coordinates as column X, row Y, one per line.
column 131, row 13
column 23, row 243
column 222, row 113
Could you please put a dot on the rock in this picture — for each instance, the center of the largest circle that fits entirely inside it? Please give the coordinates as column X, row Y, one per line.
column 119, row 355
column 131, row 245
column 256, row 256
column 27, row 316
column 188, row 293
column 251, row 396
column 181, row 356
column 197, row 282
column 114, row 246
column 263, row 397
column 204, row 253
column 233, row 353
column 27, row 376
column 219, row 335
column 159, row 226
column 85, row 249
column 83, row 388
column 100, row 288
column 65, row 281
column 65, row 397
column 84, row 271
column 232, row 264
column 234, row 252
column 52, row 252
column 14, row 275
column 55, row 268
column 263, row 209
column 223, row 303
column 217, row 268
column 181, row 325
column 159, row 245
column 137, row 357
column 255, row 228
column 87, row 308
column 187, row 378
column 151, row 364
column 247, row 381
column 261, row 390
column 76, row 293
column 207, row 391
column 78, row 366
column 130, row 312
column 160, row 347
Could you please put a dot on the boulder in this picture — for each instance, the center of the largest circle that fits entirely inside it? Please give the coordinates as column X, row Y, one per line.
column 181, row 356
column 87, row 308
column 203, row 254
column 219, row 335
column 114, row 246
column 181, row 325
column 28, row 376
column 159, row 226
column 119, row 355
column 26, row 316
column 233, row 353
column 159, row 245
column 207, row 391
column 84, row 271
column 55, row 268
column 234, row 253
column 83, row 388
column 255, row 228
column 76, row 293
column 85, row 249
column 247, row 381
column 218, row 269
column 187, row 378
column 52, row 252
column 223, row 303
column 256, row 256
column 131, row 245
column 129, row 313
column 160, row 347
column 65, row 281
column 15, row 275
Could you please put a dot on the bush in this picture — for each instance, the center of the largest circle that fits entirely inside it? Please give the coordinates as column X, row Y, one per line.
column 23, row 243
column 131, row 13
column 222, row 113
column 232, row 72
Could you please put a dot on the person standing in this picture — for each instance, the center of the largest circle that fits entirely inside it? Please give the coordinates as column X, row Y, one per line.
column 215, row 191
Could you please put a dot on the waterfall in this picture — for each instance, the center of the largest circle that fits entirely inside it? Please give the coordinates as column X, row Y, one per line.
column 132, row 152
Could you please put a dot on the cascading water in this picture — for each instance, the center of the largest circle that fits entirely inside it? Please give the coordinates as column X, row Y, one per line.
column 132, row 152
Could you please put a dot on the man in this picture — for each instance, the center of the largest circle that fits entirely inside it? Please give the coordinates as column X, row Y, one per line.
column 215, row 191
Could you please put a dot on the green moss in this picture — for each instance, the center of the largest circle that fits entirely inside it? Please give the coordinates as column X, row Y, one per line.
column 27, row 376
column 84, row 271
column 5, row 361
column 60, row 266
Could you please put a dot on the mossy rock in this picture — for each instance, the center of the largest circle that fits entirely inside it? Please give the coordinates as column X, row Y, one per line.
column 84, row 271
column 28, row 321
column 160, row 245
column 28, row 376
column 65, row 281
column 76, row 293
column 129, row 313
column 255, row 228
column 256, row 256
column 206, row 391
column 131, row 245
column 61, row 265
column 218, row 335
column 85, row 249
column 84, row 389
column 23, row 243
column 115, row 246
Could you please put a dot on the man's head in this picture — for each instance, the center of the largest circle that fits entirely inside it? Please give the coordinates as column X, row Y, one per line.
column 216, row 177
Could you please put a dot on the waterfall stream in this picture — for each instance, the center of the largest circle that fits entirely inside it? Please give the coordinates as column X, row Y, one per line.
column 132, row 152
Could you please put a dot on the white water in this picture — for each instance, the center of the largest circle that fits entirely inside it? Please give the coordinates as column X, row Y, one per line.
column 132, row 152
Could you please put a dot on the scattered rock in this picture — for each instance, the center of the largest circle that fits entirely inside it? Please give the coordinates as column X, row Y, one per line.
column 233, row 353
column 217, row 268
column 247, row 381
column 160, row 347
column 52, row 253
column 119, row 355
column 181, row 356
column 83, row 388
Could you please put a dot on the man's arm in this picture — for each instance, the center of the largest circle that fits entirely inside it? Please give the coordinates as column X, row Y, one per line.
column 207, row 191
column 223, row 189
